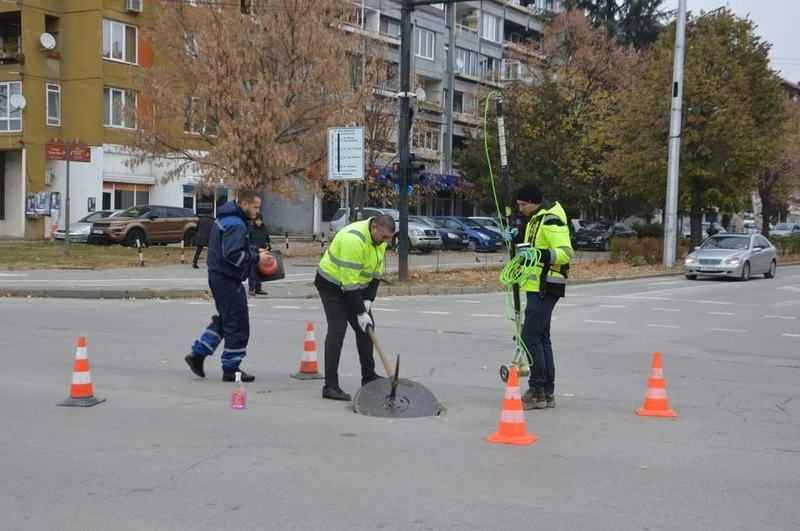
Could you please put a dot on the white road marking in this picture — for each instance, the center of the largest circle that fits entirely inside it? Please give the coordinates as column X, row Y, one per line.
column 385, row 310
column 434, row 313
column 13, row 274
column 598, row 322
column 468, row 302
column 790, row 335
column 563, row 304
column 287, row 307
column 662, row 326
column 485, row 315
column 665, row 309
column 662, row 283
column 779, row 317
column 727, row 330
column 611, row 306
column 199, row 303
column 721, row 313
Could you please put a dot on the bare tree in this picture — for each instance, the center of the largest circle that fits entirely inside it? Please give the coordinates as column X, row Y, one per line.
column 243, row 93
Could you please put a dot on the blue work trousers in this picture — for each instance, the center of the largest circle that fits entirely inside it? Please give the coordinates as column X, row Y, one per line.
column 231, row 323
column 536, row 336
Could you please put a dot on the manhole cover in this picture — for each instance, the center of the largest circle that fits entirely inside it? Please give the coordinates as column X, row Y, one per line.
column 411, row 400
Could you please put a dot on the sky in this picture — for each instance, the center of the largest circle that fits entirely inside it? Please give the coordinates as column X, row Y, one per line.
column 776, row 21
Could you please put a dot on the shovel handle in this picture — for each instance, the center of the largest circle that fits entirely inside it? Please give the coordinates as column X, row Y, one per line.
column 378, row 347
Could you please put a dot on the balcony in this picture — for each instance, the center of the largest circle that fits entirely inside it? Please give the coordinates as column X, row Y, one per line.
column 11, row 38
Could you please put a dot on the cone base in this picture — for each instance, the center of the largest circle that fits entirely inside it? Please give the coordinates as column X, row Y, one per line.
column 505, row 439
column 655, row 413
column 82, row 402
column 307, row 376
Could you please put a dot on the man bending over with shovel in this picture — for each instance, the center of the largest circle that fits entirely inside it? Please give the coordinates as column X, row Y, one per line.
column 347, row 280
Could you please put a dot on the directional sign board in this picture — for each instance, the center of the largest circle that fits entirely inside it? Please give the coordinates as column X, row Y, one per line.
column 345, row 153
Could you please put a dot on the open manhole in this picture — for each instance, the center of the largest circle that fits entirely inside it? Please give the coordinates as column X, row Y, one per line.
column 409, row 400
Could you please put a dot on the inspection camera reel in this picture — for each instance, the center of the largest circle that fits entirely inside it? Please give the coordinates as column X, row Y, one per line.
column 520, row 361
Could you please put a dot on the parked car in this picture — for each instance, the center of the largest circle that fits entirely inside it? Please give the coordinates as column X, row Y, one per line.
column 480, row 238
column 452, row 239
column 80, row 231
column 492, row 224
column 785, row 229
column 598, row 235
column 732, row 255
column 421, row 237
column 150, row 224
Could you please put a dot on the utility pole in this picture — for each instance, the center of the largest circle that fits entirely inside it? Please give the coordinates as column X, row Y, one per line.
column 671, row 210
column 66, row 206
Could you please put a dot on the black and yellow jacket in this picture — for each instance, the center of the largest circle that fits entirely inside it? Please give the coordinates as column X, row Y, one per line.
column 548, row 231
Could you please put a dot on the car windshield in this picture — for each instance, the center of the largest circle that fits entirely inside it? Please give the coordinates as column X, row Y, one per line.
column 439, row 223
column 423, row 220
column 94, row 216
column 136, row 212
column 783, row 226
column 727, row 242
column 600, row 225
column 392, row 212
column 470, row 223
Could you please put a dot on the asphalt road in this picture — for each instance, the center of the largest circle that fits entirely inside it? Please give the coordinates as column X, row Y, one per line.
column 166, row 452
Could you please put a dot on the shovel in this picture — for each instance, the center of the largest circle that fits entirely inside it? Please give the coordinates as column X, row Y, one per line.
column 393, row 397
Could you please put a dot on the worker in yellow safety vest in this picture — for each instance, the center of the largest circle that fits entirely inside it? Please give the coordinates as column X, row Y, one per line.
column 548, row 232
column 347, row 281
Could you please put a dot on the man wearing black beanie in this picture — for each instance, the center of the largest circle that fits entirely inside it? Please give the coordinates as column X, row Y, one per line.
column 550, row 251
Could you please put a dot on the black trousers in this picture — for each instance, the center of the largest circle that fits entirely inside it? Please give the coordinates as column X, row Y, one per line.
column 231, row 323
column 197, row 250
column 536, row 336
column 338, row 316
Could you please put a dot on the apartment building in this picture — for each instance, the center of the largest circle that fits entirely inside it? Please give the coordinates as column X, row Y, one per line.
column 492, row 42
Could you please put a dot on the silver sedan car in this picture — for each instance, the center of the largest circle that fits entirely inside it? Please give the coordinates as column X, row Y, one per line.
column 732, row 255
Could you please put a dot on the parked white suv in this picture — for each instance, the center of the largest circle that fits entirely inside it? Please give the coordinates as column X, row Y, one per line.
column 421, row 237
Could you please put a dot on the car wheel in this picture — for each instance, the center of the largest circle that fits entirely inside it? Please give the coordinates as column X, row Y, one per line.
column 773, row 267
column 607, row 245
column 472, row 245
column 745, row 272
column 395, row 243
column 133, row 235
column 691, row 277
column 189, row 237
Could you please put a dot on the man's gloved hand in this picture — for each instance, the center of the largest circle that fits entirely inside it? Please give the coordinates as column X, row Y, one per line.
column 509, row 233
column 530, row 255
column 364, row 321
column 367, row 305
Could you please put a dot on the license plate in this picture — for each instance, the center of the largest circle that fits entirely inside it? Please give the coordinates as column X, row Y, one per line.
column 97, row 231
column 498, row 244
column 706, row 269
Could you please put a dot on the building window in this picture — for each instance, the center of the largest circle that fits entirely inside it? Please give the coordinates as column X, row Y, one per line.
column 119, row 42
column 490, row 28
column 426, row 139
column 10, row 119
column 390, row 27
column 125, row 195
column 53, row 104
column 469, row 62
column 119, row 108
column 426, row 40
column 197, row 121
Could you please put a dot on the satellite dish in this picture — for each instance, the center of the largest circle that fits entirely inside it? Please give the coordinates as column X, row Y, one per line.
column 47, row 41
column 17, row 101
column 421, row 94
column 460, row 63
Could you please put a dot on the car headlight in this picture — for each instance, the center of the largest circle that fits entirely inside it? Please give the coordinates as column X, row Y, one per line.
column 690, row 260
column 483, row 236
column 83, row 230
column 597, row 239
column 416, row 232
column 732, row 261
column 452, row 235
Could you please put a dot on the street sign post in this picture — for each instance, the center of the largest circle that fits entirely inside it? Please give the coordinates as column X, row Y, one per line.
column 346, row 153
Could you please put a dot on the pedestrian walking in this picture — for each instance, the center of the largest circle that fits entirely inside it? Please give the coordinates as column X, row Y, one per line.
column 259, row 239
column 547, row 231
column 204, row 225
column 230, row 260
column 347, row 280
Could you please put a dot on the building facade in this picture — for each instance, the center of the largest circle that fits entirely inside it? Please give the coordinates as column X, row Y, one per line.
column 65, row 78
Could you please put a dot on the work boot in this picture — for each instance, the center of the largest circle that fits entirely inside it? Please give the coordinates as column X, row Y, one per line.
column 195, row 362
column 195, row 266
column 550, row 399
column 261, row 292
column 368, row 379
column 334, row 393
column 534, row 399
column 230, row 376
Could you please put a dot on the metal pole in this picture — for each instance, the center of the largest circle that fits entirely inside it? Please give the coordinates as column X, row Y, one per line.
column 501, row 134
column 66, row 208
column 450, row 22
column 404, row 133
column 671, row 221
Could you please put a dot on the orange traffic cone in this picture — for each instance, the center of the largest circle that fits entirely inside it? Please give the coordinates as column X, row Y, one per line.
column 512, row 420
column 309, row 369
column 655, row 399
column 81, row 393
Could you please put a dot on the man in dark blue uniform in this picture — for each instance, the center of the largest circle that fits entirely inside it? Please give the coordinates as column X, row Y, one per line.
column 230, row 260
